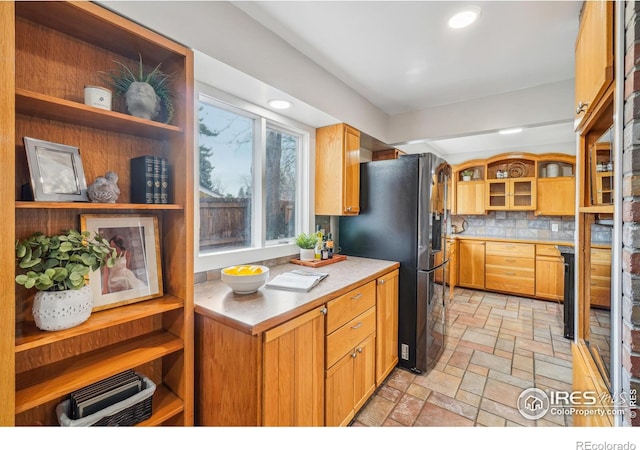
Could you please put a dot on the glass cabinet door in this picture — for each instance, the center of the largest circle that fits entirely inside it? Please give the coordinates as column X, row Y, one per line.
column 601, row 165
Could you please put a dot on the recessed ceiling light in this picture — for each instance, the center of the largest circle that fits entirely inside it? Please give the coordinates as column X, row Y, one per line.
column 464, row 18
column 510, row 131
column 280, row 104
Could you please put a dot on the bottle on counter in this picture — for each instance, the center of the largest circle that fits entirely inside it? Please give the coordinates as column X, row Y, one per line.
column 317, row 254
column 324, row 251
column 330, row 246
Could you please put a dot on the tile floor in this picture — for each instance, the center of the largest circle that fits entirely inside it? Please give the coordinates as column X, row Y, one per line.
column 497, row 346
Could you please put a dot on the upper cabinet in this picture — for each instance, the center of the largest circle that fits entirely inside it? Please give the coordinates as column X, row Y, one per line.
column 601, row 169
column 542, row 183
column 337, row 170
column 511, row 184
column 594, row 56
column 556, row 186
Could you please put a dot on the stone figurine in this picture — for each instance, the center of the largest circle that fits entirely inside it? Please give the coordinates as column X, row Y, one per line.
column 104, row 189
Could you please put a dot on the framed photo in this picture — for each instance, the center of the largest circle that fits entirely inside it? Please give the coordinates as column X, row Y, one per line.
column 137, row 273
column 56, row 171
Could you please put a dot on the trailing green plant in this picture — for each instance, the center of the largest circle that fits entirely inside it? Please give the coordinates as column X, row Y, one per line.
column 120, row 80
column 61, row 262
column 306, row 241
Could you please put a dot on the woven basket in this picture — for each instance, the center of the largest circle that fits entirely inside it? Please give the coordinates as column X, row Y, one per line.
column 128, row 412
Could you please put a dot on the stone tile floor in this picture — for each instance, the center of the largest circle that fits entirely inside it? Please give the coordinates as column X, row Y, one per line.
column 497, row 345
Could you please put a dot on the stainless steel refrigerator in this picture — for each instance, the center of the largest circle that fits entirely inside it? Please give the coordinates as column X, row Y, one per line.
column 403, row 217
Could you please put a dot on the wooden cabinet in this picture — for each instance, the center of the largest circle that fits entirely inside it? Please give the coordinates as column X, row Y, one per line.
column 337, row 170
column 294, row 372
column 600, row 280
column 350, row 376
column 59, row 48
column 601, row 164
column 510, row 267
column 593, row 56
column 549, row 272
column 470, row 197
column 511, row 194
column 471, row 264
column 271, row 378
column 391, row 153
column 556, row 186
column 386, row 325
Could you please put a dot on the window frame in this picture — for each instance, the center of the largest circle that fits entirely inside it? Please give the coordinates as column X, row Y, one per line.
column 259, row 250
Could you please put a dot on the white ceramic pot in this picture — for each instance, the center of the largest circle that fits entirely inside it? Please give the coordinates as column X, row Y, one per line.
column 97, row 97
column 466, row 177
column 59, row 310
column 307, row 254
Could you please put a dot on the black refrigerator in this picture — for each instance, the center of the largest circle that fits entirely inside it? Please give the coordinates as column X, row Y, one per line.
column 403, row 217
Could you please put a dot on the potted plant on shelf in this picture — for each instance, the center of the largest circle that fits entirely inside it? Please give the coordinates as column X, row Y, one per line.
column 57, row 267
column 146, row 94
column 467, row 174
column 307, row 244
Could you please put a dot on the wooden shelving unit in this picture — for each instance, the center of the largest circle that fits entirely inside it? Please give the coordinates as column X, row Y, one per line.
column 60, row 47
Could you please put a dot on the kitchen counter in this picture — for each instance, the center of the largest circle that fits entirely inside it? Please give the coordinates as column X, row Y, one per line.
column 268, row 307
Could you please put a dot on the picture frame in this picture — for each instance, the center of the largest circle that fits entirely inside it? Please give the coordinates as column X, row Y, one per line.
column 56, row 171
column 137, row 275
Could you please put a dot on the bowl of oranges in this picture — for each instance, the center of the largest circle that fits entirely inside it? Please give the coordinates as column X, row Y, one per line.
column 245, row 279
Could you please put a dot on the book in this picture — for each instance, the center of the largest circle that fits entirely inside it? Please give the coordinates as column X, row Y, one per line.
column 156, row 179
column 142, row 179
column 297, row 280
column 164, row 180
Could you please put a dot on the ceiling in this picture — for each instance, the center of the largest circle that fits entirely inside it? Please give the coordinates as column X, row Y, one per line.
column 403, row 57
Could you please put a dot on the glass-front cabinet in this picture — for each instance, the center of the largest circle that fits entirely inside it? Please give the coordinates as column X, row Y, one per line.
column 511, row 185
column 601, row 165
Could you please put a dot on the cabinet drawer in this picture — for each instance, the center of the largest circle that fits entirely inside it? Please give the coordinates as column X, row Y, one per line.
column 345, row 338
column 598, row 270
column 509, row 283
column 344, row 308
column 601, row 256
column 510, row 249
column 547, row 250
column 511, row 262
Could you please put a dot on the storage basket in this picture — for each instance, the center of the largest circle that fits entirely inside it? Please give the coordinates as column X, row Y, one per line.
column 128, row 412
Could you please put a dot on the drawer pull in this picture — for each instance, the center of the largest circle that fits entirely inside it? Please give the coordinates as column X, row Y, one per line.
column 510, row 260
column 357, row 296
column 358, row 325
column 510, row 273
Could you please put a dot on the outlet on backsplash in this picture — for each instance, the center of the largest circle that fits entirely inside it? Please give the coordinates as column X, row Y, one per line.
column 554, row 227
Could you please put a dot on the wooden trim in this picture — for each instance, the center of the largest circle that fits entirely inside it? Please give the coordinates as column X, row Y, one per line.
column 275, row 333
column 7, row 200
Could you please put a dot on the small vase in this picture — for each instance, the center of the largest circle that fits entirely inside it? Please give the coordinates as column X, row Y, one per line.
column 307, row 254
column 59, row 310
column 142, row 100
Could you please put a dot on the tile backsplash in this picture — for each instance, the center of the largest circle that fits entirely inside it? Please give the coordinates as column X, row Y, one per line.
column 526, row 225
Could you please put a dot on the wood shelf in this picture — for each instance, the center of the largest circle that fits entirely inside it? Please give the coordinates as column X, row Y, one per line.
column 29, row 337
column 88, row 368
column 47, row 107
column 600, row 209
column 165, row 405
column 109, row 206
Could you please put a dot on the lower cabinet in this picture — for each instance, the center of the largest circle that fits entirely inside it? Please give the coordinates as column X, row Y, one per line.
column 549, row 272
column 386, row 325
column 600, row 277
column 471, row 264
column 350, row 382
column 293, row 372
column 510, row 267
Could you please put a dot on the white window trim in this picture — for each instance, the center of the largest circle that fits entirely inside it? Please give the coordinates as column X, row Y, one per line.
column 306, row 180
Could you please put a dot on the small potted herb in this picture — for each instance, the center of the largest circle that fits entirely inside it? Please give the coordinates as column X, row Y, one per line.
column 307, row 244
column 467, row 174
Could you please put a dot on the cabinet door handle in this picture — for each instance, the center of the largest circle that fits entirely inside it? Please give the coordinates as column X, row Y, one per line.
column 324, row 310
column 348, row 209
column 380, row 281
column 354, row 354
column 358, row 325
column 359, row 349
column 582, row 106
column 357, row 296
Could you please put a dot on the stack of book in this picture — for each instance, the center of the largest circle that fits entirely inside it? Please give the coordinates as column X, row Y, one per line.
column 149, row 179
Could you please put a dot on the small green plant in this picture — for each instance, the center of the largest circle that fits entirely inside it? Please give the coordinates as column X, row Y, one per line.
column 121, row 79
column 61, row 262
column 306, row 241
column 467, row 173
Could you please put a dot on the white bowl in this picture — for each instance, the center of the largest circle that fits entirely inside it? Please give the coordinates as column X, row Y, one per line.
column 245, row 284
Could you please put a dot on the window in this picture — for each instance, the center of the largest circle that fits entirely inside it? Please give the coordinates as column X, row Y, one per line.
column 250, row 170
